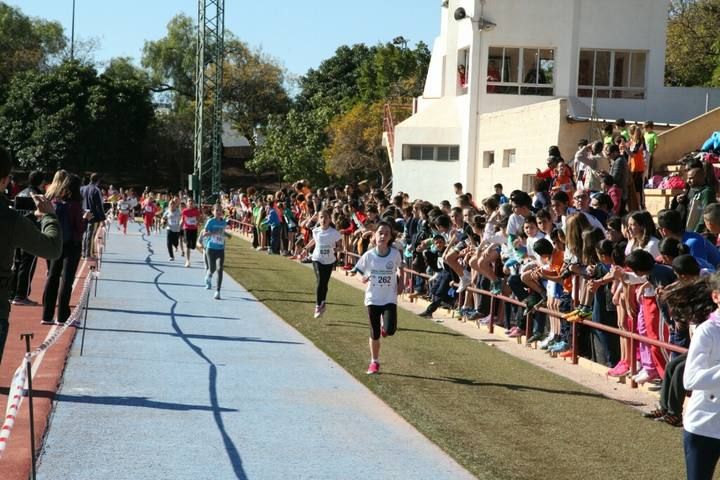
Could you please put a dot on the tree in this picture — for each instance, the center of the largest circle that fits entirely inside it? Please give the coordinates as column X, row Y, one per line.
column 334, row 84
column 355, row 151
column 171, row 60
column 394, row 73
column 72, row 118
column 253, row 88
column 693, row 43
column 294, row 146
column 26, row 44
column 122, row 69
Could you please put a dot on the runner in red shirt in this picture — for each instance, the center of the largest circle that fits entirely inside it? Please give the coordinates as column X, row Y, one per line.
column 189, row 222
column 150, row 209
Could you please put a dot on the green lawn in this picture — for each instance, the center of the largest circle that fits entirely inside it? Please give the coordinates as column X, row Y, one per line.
column 500, row 417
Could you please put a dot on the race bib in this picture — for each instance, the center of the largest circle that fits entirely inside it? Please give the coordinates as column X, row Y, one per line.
column 217, row 239
column 148, row 209
column 190, row 220
column 325, row 250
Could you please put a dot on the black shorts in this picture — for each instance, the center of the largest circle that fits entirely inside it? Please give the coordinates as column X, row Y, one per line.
column 190, row 238
column 382, row 317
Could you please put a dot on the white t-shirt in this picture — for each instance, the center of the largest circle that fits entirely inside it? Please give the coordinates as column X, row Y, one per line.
column 652, row 247
column 173, row 219
column 382, row 272
column 515, row 224
column 325, row 241
column 531, row 241
column 124, row 207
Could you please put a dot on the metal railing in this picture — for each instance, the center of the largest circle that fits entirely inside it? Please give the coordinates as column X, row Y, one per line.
column 635, row 339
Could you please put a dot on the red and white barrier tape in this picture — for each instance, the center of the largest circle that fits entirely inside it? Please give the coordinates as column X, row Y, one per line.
column 17, row 387
column 15, row 398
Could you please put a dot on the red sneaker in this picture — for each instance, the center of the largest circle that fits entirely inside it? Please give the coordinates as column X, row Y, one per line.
column 373, row 368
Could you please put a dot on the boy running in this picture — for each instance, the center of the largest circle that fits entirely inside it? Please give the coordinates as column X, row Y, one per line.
column 379, row 268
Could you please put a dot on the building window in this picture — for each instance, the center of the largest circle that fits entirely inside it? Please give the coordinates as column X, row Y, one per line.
column 612, row 74
column 508, row 157
column 438, row 153
column 488, row 158
column 463, row 70
column 521, row 71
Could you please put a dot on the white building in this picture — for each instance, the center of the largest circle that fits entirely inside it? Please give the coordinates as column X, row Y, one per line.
column 531, row 67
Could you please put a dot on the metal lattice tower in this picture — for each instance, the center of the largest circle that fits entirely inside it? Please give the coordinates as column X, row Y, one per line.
column 208, row 97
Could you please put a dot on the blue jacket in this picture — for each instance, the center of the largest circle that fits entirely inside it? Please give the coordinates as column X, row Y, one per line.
column 92, row 200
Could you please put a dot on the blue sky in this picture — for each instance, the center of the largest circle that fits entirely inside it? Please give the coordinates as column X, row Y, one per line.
column 300, row 34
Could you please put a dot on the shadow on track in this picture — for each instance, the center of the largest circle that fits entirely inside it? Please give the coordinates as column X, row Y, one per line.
column 230, row 448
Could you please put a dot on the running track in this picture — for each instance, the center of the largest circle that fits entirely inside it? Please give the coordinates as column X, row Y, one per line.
column 176, row 385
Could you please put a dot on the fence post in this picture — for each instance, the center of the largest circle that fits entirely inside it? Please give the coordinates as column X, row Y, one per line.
column 27, row 337
column 633, row 362
column 491, row 325
column 573, row 347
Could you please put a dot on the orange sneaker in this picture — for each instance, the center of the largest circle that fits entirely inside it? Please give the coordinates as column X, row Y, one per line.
column 566, row 354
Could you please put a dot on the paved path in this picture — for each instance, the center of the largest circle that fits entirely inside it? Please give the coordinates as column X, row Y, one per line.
column 176, row 385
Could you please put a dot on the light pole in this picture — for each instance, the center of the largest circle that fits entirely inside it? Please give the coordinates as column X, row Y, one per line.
column 72, row 33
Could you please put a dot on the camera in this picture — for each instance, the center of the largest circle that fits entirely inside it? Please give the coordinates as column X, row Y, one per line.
column 24, row 204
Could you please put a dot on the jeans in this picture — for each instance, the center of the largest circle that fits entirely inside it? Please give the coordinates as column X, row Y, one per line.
column 58, row 286
column 439, row 290
column 275, row 233
column 701, row 455
column 88, row 241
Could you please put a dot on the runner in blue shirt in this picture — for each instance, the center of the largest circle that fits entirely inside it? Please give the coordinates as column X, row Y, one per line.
column 213, row 238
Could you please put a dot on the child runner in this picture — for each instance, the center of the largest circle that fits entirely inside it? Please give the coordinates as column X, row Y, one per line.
column 379, row 268
column 214, row 241
column 189, row 223
column 172, row 218
column 325, row 240
column 150, row 208
column 123, row 208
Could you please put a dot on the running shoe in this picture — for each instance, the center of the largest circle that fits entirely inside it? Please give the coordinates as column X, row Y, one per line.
column 656, row 413
column 559, row 347
column 208, row 282
column 318, row 311
column 620, row 370
column 566, row 354
column 187, row 263
column 47, row 322
column 373, row 368
column 425, row 314
column 673, row 420
column 171, row 259
column 217, row 296
column 516, row 332
column 536, row 338
column 545, row 344
column 23, row 301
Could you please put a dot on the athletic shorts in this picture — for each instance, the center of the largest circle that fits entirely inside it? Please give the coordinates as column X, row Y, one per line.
column 382, row 317
column 190, row 238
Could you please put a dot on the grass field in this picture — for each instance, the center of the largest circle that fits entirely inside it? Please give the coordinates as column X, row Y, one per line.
column 498, row 416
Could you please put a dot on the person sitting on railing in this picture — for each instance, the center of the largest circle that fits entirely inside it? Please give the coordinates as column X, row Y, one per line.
column 441, row 278
column 558, row 299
